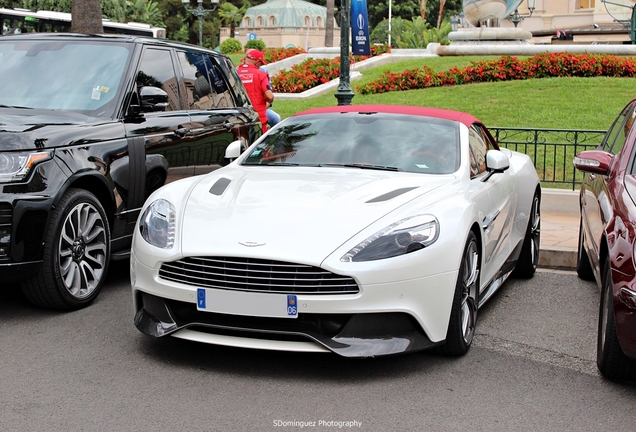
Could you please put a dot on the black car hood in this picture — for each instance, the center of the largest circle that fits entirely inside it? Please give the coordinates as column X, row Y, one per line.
column 34, row 129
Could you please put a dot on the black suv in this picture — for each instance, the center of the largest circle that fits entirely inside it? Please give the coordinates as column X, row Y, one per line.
column 90, row 126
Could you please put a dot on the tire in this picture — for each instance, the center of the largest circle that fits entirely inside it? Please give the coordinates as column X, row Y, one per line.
column 461, row 327
column 75, row 259
column 529, row 256
column 583, row 266
column 610, row 359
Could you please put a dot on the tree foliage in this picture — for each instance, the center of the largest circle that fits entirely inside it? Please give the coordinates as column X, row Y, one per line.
column 144, row 11
column 182, row 25
column 417, row 33
column 230, row 46
column 232, row 15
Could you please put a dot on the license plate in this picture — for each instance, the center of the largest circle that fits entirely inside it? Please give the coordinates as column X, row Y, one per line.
column 247, row 303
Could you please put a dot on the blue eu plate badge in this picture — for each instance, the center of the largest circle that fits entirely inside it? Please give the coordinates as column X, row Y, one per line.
column 201, row 298
column 292, row 307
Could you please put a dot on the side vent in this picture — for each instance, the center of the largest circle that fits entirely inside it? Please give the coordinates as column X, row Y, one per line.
column 219, row 187
column 390, row 195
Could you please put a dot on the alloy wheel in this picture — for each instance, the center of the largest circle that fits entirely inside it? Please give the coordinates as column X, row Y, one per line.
column 82, row 250
column 470, row 273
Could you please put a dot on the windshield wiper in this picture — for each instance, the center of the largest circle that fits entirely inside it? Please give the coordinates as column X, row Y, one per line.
column 363, row 166
column 281, row 164
column 19, row 107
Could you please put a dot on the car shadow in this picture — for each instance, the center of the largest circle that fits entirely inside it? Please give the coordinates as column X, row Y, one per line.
column 281, row 364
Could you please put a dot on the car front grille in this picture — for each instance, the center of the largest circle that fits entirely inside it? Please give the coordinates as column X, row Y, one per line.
column 6, row 214
column 256, row 275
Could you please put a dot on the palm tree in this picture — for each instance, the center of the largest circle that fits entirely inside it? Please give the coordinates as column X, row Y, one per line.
column 87, row 16
column 329, row 23
column 144, row 11
column 232, row 15
column 441, row 12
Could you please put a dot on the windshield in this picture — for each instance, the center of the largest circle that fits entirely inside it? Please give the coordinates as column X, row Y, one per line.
column 62, row 75
column 392, row 142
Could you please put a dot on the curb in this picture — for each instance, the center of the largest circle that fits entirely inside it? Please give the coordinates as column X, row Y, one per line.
column 554, row 257
column 559, row 201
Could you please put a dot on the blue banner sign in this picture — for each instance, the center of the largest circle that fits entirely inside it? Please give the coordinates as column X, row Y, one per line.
column 360, row 28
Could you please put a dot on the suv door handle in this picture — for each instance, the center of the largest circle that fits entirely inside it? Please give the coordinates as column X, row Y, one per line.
column 181, row 131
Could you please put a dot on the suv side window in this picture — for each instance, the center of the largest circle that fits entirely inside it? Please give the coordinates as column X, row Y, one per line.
column 478, row 147
column 204, row 83
column 228, row 69
column 153, row 72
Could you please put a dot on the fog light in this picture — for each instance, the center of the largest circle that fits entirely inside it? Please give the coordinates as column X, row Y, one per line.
column 5, row 239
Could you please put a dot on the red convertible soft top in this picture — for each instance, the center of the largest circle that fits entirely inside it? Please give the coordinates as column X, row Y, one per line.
column 457, row 116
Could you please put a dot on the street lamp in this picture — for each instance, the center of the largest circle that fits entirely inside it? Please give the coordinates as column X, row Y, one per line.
column 199, row 12
column 454, row 22
column 516, row 17
column 344, row 93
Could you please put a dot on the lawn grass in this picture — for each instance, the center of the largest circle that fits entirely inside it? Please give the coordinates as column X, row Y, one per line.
column 561, row 103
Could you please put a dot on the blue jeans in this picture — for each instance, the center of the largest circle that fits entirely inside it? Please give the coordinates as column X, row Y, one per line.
column 272, row 117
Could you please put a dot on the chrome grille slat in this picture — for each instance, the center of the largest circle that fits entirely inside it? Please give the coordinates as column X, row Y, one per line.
column 247, row 274
column 6, row 213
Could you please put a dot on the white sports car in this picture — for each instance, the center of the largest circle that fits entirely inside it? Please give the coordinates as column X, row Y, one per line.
column 363, row 230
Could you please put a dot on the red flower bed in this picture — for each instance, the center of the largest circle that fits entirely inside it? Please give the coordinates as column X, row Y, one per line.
column 278, row 54
column 305, row 75
column 506, row 68
column 313, row 72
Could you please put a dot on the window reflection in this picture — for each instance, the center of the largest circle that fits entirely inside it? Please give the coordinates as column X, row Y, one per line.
column 405, row 143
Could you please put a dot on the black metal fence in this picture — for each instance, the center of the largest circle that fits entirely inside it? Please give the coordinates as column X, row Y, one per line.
column 551, row 150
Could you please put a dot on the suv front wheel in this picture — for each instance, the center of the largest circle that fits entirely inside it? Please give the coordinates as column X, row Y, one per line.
column 76, row 254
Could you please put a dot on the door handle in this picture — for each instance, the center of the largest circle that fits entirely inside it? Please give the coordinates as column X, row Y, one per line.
column 181, row 132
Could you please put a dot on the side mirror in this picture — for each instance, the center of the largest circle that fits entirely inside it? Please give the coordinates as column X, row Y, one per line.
column 233, row 150
column 593, row 161
column 151, row 99
column 496, row 162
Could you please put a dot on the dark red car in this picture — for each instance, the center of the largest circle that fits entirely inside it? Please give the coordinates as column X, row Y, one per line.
column 607, row 237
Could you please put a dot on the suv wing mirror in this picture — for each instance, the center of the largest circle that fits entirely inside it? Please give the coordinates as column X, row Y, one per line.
column 151, row 99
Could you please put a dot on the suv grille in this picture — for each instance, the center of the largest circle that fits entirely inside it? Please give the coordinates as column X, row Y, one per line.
column 257, row 275
column 6, row 212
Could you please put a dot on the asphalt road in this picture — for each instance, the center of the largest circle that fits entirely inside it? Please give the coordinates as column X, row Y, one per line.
column 531, row 367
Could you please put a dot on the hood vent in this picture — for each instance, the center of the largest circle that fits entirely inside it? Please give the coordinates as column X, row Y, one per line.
column 219, row 187
column 390, row 195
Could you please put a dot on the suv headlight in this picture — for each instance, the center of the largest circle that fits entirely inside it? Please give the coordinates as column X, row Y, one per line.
column 157, row 224
column 16, row 166
column 402, row 237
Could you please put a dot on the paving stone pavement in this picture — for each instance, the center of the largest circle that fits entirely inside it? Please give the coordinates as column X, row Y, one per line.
column 559, row 229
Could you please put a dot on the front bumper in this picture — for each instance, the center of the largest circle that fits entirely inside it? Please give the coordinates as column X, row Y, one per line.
column 349, row 335
column 15, row 272
column 23, row 220
column 381, row 319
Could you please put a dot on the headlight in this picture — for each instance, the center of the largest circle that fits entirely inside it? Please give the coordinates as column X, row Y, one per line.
column 16, row 166
column 157, row 224
column 400, row 238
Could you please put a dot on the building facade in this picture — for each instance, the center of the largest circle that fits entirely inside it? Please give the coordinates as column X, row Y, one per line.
column 285, row 23
column 576, row 21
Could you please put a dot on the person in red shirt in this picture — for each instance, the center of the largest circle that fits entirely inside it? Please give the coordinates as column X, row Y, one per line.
column 256, row 83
